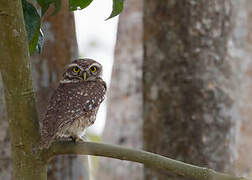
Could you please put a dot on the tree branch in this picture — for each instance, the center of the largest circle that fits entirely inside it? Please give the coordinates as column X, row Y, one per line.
column 147, row 158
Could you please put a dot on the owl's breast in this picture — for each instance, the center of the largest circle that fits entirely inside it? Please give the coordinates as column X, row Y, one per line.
column 78, row 127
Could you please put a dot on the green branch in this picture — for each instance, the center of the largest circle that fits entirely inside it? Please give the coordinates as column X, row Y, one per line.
column 147, row 158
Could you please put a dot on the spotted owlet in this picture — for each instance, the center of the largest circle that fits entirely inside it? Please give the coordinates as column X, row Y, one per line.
column 75, row 102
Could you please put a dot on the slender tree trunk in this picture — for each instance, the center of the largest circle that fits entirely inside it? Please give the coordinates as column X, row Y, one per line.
column 124, row 119
column 5, row 147
column 190, row 113
column 19, row 96
column 60, row 47
column 241, row 51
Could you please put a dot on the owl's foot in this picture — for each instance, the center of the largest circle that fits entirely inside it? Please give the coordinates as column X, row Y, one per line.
column 77, row 139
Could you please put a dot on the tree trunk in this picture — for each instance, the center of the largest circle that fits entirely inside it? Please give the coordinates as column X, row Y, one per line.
column 19, row 96
column 60, row 47
column 190, row 113
column 241, row 51
column 5, row 147
column 124, row 119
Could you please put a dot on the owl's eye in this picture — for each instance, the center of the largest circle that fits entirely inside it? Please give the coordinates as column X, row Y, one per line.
column 76, row 69
column 93, row 69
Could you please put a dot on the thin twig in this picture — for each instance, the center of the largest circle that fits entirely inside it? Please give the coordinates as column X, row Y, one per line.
column 147, row 158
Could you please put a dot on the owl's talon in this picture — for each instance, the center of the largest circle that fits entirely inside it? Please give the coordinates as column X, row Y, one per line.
column 77, row 139
column 73, row 138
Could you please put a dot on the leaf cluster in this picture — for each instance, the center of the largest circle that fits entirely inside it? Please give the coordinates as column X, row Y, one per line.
column 33, row 18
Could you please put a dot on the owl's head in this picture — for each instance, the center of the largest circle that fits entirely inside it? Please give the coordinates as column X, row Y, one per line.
column 82, row 70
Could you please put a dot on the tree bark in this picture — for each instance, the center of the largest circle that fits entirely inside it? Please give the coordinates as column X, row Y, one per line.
column 124, row 116
column 190, row 113
column 5, row 147
column 60, row 47
column 19, row 96
column 241, row 51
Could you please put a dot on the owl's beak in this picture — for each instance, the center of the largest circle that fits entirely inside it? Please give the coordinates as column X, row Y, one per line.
column 85, row 76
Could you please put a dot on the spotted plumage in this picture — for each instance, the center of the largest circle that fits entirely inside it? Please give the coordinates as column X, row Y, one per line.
column 75, row 102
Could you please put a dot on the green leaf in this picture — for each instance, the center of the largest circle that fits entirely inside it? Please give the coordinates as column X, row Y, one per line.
column 40, row 42
column 33, row 42
column 116, row 9
column 32, row 24
column 78, row 4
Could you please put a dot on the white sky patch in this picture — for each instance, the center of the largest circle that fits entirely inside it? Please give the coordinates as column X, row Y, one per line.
column 96, row 39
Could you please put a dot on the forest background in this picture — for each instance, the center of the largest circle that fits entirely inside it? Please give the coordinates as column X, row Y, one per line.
column 180, row 87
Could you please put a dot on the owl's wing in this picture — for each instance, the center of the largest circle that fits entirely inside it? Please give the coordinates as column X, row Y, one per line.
column 69, row 102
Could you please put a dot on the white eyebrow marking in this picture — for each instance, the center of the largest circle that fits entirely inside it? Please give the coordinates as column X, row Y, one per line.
column 95, row 64
column 73, row 65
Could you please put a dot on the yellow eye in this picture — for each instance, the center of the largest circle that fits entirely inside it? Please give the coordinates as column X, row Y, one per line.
column 93, row 69
column 76, row 69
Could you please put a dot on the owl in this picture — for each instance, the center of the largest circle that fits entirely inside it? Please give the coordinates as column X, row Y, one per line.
column 74, row 104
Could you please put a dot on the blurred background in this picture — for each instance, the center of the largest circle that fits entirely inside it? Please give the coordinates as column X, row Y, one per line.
column 179, row 78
